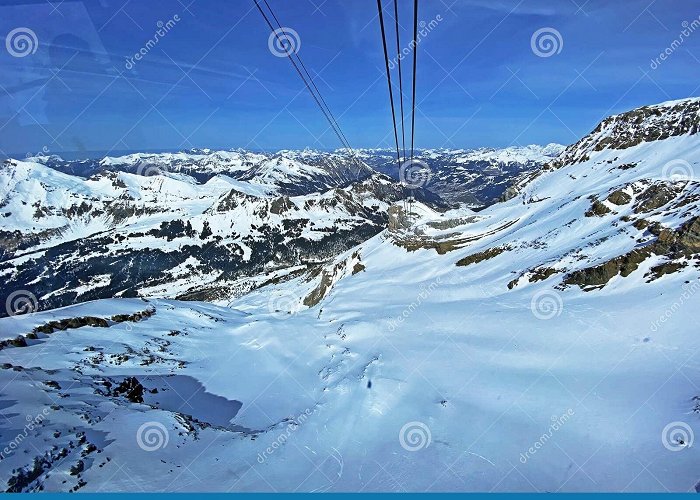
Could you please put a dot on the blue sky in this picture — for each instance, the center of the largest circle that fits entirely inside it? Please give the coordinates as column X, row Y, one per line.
column 212, row 81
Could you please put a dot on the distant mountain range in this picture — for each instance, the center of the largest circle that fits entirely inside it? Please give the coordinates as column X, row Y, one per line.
column 474, row 177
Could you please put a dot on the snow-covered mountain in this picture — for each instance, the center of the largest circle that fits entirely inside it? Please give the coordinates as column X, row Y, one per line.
column 118, row 234
column 525, row 347
column 477, row 178
column 202, row 224
column 285, row 172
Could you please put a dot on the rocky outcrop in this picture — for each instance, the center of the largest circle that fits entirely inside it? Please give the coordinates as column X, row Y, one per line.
column 280, row 205
column 534, row 275
column 230, row 200
column 397, row 218
column 688, row 236
column 619, row 198
column 131, row 389
column 482, row 256
column 683, row 242
column 318, row 293
column 645, row 124
column 78, row 322
column 654, row 197
column 598, row 209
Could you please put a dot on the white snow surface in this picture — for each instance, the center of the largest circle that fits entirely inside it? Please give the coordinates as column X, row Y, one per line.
column 411, row 374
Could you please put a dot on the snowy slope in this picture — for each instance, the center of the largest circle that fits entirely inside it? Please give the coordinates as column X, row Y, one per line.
column 526, row 347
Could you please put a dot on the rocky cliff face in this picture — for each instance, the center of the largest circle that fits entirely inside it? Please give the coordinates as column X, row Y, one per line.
column 645, row 124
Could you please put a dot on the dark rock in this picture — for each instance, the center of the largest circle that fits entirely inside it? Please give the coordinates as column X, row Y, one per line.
column 18, row 342
column 655, row 196
column 683, row 242
column 131, row 389
column 641, row 224
column 77, row 468
column 280, row 205
column 619, row 197
column 666, row 268
column 689, row 235
column 481, row 256
column 599, row 275
column 597, row 209
column 397, row 218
